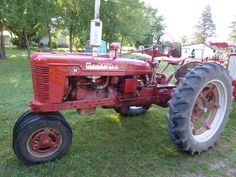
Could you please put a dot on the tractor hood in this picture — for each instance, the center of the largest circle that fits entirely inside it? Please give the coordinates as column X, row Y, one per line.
column 86, row 65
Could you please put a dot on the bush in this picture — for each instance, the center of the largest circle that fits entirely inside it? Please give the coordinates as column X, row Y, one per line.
column 14, row 41
column 54, row 45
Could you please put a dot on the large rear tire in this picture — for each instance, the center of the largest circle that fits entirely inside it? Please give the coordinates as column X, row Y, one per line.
column 199, row 108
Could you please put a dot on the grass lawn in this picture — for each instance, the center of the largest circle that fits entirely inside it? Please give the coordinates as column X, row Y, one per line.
column 105, row 144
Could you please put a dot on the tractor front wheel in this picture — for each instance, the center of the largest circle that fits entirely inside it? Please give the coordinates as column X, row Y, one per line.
column 41, row 137
column 199, row 108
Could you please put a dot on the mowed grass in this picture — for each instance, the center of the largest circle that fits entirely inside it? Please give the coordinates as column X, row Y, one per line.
column 106, row 144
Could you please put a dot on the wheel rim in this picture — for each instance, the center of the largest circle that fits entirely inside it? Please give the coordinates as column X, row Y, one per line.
column 44, row 142
column 208, row 111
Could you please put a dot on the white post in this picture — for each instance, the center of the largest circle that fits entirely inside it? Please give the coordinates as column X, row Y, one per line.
column 96, row 30
column 203, row 51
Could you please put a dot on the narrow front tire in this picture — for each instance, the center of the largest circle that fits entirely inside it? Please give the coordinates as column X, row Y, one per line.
column 43, row 138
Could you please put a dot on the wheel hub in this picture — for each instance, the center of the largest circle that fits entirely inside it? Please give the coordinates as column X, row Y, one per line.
column 44, row 142
column 205, row 109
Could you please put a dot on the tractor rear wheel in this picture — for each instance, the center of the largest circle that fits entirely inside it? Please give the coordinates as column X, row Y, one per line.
column 41, row 137
column 199, row 108
column 132, row 110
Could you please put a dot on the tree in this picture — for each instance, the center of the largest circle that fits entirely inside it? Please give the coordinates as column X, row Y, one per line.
column 156, row 24
column 71, row 18
column 130, row 22
column 109, row 15
column 47, row 17
column 23, row 20
column 232, row 34
column 133, row 24
column 184, row 40
column 205, row 27
column 3, row 5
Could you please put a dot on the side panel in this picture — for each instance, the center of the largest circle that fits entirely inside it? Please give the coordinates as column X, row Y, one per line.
column 58, row 76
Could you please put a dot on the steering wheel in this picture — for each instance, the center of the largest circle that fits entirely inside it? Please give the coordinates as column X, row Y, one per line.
column 165, row 42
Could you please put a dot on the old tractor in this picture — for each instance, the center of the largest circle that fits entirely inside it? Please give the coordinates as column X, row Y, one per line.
column 199, row 100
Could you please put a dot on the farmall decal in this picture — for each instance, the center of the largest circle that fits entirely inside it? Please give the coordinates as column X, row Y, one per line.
column 101, row 66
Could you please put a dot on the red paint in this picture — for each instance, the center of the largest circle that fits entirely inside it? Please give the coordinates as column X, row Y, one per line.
column 44, row 141
column 114, row 46
column 219, row 45
column 64, row 81
column 234, row 93
column 129, row 85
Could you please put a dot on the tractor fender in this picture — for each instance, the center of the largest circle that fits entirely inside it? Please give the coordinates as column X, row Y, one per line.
column 182, row 71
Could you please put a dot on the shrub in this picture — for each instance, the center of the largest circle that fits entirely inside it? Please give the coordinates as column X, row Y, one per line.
column 54, row 45
column 14, row 41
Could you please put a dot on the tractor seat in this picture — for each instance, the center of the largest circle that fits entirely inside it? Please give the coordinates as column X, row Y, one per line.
column 173, row 60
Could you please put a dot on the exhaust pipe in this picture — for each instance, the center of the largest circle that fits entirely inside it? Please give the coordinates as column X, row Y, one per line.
column 96, row 30
column 97, row 9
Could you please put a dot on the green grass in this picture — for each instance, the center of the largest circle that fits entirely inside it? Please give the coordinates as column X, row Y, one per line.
column 106, row 144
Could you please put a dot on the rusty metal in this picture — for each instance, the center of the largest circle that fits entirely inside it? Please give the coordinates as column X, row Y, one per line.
column 43, row 142
column 205, row 109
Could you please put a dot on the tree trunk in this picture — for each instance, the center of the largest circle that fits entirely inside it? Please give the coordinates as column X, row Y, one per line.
column 22, row 41
column 27, row 37
column 2, row 44
column 49, row 37
column 71, row 39
column 121, row 44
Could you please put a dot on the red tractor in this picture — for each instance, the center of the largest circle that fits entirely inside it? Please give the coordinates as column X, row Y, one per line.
column 199, row 101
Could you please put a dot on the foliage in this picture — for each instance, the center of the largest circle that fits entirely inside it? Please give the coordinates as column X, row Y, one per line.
column 184, row 40
column 130, row 22
column 73, row 17
column 81, row 41
column 156, row 24
column 133, row 24
column 23, row 20
column 3, row 5
column 47, row 18
column 127, row 21
column 14, row 41
column 54, row 45
column 232, row 34
column 205, row 27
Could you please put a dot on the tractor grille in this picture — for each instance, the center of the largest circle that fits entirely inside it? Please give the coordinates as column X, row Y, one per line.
column 232, row 66
column 40, row 77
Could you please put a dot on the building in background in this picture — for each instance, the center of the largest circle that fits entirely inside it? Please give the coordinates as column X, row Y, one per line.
column 200, row 50
column 7, row 37
column 219, row 50
column 62, row 41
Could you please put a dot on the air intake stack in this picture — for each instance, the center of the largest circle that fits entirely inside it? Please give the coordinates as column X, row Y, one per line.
column 96, row 30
